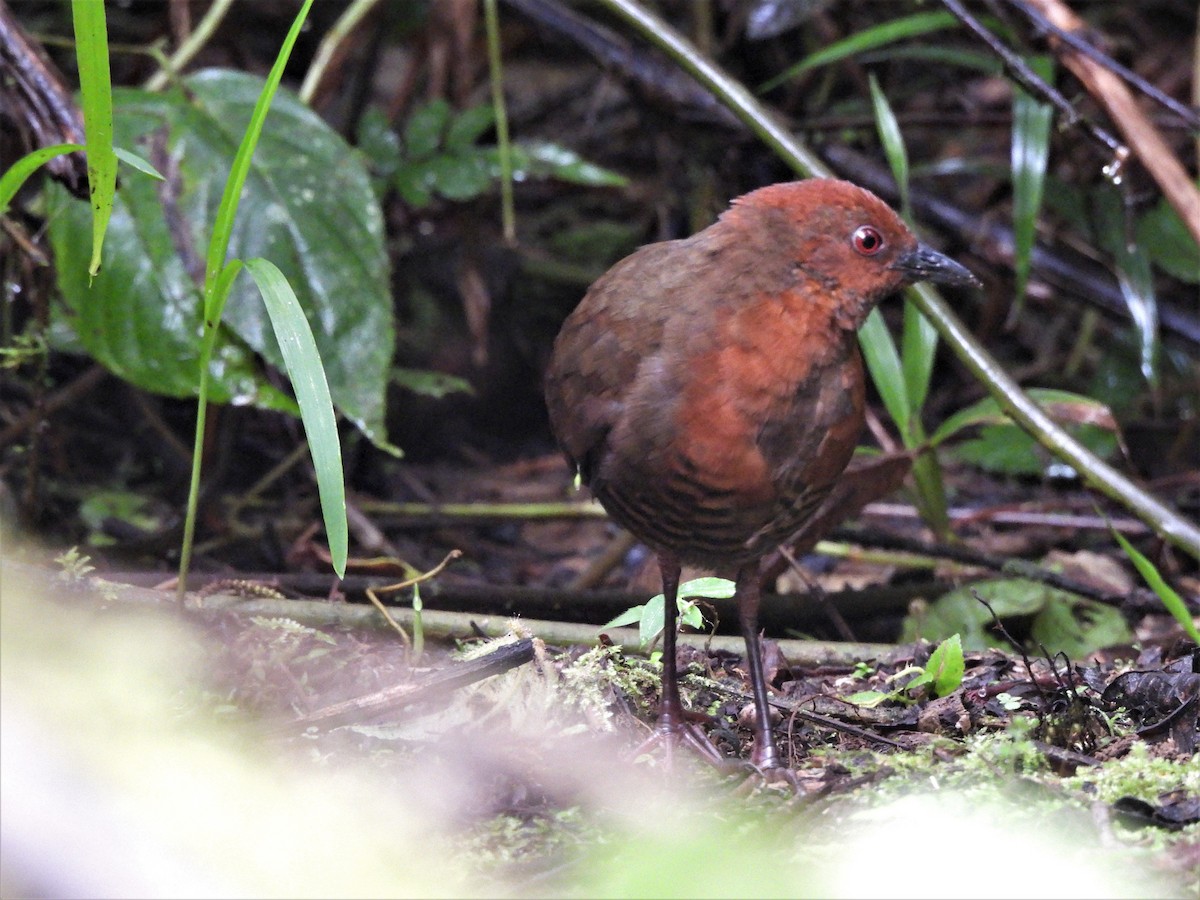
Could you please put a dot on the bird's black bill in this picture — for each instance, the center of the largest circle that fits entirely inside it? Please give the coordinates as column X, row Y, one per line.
column 923, row 264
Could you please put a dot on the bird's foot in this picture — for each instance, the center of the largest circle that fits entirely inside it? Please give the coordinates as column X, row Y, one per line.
column 671, row 734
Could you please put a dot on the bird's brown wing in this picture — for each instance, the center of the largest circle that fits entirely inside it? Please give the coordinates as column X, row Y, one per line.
column 618, row 324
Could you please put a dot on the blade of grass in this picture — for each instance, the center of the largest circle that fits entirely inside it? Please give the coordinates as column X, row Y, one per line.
column 218, row 277
column 1030, row 152
column 893, row 143
column 919, row 343
column 869, row 39
column 95, row 83
column 20, row 171
column 303, row 363
column 1171, row 600
column 883, row 362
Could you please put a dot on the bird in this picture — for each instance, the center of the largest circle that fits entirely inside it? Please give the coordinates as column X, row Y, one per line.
column 709, row 391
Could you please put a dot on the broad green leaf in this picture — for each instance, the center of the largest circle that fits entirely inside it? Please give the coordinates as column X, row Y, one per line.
column 1030, row 152
column 1172, row 601
column 1010, row 451
column 95, row 83
column 868, row 39
column 20, row 171
column 1077, row 626
column 307, row 374
column 1061, row 405
column 458, row 177
column 883, row 362
column 946, row 666
column 1162, row 233
column 307, row 205
column 629, row 617
column 1060, row 620
column 650, row 617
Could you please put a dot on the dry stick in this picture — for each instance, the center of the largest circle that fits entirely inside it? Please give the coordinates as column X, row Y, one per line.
column 1168, row 522
column 1138, row 130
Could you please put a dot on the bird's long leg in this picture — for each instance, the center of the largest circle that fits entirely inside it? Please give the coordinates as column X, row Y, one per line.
column 670, row 715
column 747, row 593
column 672, row 727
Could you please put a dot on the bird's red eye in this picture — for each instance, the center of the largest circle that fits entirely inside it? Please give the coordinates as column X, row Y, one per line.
column 867, row 240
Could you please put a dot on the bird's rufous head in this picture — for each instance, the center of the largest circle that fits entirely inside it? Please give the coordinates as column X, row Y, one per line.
column 846, row 242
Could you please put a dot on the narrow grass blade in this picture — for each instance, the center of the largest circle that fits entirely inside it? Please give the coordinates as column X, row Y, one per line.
column 1171, row 600
column 883, row 362
column 893, row 143
column 20, row 171
column 307, row 375
column 142, row 165
column 919, row 343
column 218, row 246
column 1030, row 152
column 95, row 83
column 870, row 39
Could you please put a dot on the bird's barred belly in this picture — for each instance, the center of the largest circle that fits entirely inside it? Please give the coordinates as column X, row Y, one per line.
column 703, row 525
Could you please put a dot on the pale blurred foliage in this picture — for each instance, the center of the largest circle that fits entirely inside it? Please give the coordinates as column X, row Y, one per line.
column 118, row 780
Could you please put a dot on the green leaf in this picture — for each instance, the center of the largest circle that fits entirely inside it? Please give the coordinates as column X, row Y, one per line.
column 1172, row 601
column 868, row 39
column 883, row 362
column 1171, row 246
column 427, row 383
column 893, row 142
column 1133, row 275
column 1030, row 153
column 459, row 177
column 946, row 666
column 650, row 616
column 548, row 160
column 1061, row 405
column 307, row 206
column 919, row 341
column 629, row 617
column 1009, row 450
column 1060, row 620
column 468, row 127
column 95, row 83
column 1077, row 626
column 424, row 130
column 20, row 171
column 142, row 165
column 307, row 374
